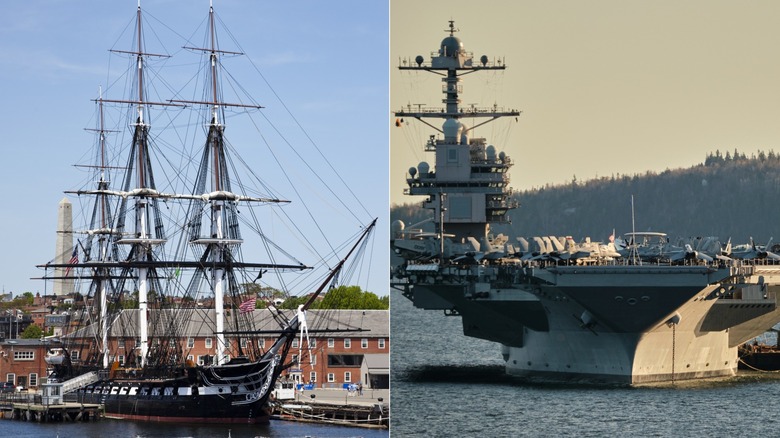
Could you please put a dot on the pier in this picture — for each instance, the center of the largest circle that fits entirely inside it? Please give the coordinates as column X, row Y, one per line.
column 67, row 412
column 30, row 407
column 332, row 406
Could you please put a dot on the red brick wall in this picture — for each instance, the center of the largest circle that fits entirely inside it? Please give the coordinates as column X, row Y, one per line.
column 320, row 352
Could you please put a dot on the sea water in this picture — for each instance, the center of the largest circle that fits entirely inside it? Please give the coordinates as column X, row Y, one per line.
column 108, row 428
column 445, row 384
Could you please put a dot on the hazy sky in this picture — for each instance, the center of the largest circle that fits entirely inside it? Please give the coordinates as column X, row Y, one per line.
column 327, row 61
column 605, row 87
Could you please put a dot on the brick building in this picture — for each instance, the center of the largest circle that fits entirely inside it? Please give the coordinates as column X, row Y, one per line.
column 337, row 357
column 22, row 362
column 345, row 346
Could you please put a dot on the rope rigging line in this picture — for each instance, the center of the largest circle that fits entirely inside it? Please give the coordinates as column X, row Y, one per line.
column 306, row 134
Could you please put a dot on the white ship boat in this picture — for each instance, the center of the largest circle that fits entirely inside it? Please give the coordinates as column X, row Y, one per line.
column 560, row 310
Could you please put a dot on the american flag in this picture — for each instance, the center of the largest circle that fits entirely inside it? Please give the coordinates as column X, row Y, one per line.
column 73, row 260
column 248, row 305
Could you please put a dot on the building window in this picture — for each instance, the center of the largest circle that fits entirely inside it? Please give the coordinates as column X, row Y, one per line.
column 190, row 342
column 313, row 377
column 381, row 342
column 24, row 355
column 10, row 378
column 295, row 359
column 347, row 376
column 364, row 343
column 209, row 342
column 331, row 377
column 33, row 379
column 120, row 343
column 122, row 359
column 312, row 343
column 331, row 342
column 294, row 343
column 74, row 355
column 345, row 360
column 347, row 343
column 204, row 359
column 190, row 358
column 313, row 360
column 261, row 342
column 243, row 342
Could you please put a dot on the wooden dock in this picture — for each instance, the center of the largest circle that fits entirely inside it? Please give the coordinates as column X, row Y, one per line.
column 65, row 412
column 46, row 406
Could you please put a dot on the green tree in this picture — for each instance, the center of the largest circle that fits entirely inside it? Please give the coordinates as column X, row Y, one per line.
column 28, row 298
column 292, row 303
column 129, row 300
column 32, row 332
column 352, row 297
column 19, row 301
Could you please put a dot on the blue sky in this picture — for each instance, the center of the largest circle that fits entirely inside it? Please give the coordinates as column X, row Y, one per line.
column 328, row 61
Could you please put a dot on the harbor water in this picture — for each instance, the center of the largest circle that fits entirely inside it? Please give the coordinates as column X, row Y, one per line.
column 446, row 384
column 135, row 429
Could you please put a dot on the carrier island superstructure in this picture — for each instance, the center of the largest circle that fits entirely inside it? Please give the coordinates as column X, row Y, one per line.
column 560, row 310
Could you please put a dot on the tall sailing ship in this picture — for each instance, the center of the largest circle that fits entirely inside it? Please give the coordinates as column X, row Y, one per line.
column 152, row 253
column 641, row 311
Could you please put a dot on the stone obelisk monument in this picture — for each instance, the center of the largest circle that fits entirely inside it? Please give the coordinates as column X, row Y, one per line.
column 64, row 249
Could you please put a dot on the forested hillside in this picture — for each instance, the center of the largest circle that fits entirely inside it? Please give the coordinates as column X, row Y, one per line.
column 729, row 196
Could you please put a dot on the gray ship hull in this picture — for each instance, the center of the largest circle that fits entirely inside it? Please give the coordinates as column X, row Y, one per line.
column 607, row 324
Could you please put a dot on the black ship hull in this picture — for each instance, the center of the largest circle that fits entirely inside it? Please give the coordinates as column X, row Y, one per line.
column 171, row 408
column 231, row 393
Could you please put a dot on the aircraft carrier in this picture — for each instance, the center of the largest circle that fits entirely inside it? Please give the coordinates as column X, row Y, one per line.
column 628, row 311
